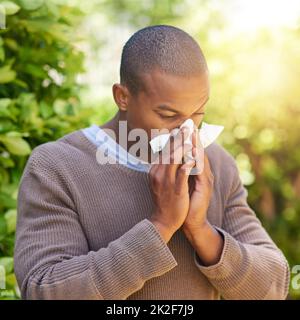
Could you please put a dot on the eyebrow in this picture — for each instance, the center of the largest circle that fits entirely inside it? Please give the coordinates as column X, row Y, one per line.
column 168, row 108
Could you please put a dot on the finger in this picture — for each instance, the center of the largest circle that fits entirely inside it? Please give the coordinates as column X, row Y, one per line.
column 173, row 153
column 171, row 144
column 198, row 153
column 176, row 157
column 191, row 182
column 207, row 167
column 196, row 139
column 162, row 155
column 162, row 162
column 152, row 174
column 181, row 152
column 183, row 176
column 175, row 141
column 172, row 156
column 153, row 169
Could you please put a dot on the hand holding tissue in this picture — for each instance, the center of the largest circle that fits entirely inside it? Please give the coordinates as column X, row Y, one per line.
column 208, row 133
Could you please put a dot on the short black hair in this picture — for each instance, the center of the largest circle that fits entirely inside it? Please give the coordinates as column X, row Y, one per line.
column 169, row 48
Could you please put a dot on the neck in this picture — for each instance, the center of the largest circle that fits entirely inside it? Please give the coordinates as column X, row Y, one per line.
column 114, row 125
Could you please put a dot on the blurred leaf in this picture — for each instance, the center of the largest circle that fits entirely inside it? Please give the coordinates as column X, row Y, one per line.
column 11, row 44
column 6, row 125
column 3, row 227
column 11, row 217
column 11, row 281
column 7, row 201
column 4, row 111
column 2, row 54
column 10, row 7
column 46, row 110
column 7, row 263
column 6, row 162
column 16, row 145
column 6, row 74
column 31, row 4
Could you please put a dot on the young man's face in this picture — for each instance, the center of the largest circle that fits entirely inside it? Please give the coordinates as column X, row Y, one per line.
column 166, row 101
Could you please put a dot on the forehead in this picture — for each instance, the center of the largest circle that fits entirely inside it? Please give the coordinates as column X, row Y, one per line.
column 162, row 87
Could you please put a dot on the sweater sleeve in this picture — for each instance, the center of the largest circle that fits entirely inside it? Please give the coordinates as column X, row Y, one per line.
column 52, row 259
column 251, row 266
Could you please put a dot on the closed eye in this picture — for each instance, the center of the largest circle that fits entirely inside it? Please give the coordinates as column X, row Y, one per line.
column 163, row 116
column 174, row 116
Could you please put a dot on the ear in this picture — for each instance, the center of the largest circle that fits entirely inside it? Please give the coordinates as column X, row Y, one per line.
column 121, row 96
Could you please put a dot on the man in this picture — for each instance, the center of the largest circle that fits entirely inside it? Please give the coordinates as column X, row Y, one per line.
column 122, row 231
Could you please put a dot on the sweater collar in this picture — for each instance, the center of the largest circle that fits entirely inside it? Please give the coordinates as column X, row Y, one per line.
column 101, row 139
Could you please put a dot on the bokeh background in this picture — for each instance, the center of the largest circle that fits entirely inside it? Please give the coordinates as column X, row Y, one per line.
column 59, row 59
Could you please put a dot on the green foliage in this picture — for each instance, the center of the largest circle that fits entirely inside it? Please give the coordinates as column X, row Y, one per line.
column 254, row 94
column 256, row 97
column 39, row 102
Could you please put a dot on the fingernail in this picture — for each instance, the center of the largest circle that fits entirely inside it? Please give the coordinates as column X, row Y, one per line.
column 190, row 163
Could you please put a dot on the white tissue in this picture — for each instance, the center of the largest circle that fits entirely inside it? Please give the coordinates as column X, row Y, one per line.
column 208, row 133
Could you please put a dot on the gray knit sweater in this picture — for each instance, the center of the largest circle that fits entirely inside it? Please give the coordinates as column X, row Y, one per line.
column 83, row 233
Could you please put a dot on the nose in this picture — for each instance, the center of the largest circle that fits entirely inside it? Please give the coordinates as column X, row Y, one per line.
column 179, row 123
column 189, row 122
